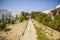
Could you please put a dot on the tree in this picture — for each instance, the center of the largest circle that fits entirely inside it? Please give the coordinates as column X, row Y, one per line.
column 24, row 14
column 17, row 18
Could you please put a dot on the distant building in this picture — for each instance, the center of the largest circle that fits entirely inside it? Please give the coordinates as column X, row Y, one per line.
column 4, row 13
column 53, row 12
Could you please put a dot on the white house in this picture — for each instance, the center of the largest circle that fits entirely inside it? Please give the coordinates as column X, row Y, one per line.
column 4, row 13
column 53, row 12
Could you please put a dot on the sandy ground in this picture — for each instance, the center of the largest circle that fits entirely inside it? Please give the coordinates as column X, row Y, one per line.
column 15, row 32
column 50, row 33
column 30, row 33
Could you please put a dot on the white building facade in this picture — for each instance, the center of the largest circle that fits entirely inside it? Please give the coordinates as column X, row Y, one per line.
column 4, row 13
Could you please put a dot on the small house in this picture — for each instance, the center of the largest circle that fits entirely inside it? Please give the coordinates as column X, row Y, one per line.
column 4, row 13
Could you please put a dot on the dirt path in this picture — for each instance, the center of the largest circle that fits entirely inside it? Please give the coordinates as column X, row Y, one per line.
column 30, row 33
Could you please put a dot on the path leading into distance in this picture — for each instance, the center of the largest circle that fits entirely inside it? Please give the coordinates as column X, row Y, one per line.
column 30, row 33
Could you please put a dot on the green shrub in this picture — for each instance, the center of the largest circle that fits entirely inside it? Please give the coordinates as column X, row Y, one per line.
column 4, row 22
column 56, row 22
column 46, row 20
column 21, row 18
column 43, row 18
column 10, row 21
column 2, row 25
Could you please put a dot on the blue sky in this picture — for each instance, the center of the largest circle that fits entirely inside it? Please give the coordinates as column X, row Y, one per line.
column 28, row 5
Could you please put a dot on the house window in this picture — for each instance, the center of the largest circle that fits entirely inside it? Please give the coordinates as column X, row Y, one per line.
column 2, row 16
column 9, row 16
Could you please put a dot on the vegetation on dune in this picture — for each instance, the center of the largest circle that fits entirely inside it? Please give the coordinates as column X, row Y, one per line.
column 56, row 22
column 10, row 21
column 3, row 23
column 22, row 17
column 25, row 15
column 46, row 19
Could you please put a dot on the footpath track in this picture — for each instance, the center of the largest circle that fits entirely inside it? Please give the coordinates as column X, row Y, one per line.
column 30, row 33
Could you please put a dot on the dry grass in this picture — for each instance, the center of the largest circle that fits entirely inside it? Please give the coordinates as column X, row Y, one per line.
column 49, row 32
column 15, row 33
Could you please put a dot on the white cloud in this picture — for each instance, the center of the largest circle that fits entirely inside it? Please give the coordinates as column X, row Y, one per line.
column 57, row 6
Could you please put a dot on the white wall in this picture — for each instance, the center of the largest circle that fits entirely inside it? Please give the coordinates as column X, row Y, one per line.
column 5, row 12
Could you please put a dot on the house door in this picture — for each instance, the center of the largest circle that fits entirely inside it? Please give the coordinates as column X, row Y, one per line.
column 2, row 16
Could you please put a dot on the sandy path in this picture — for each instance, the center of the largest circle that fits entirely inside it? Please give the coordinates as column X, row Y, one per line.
column 30, row 33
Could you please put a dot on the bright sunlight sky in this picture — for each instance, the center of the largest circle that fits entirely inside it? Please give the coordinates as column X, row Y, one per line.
column 28, row 5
